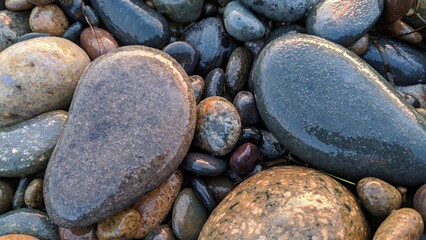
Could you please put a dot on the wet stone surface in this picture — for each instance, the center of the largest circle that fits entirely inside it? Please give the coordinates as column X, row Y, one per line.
column 404, row 223
column 203, row 164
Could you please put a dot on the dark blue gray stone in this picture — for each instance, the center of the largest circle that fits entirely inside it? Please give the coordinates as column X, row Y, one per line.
column 238, row 70
column 215, row 83
column 73, row 8
column 343, row 21
column 184, row 54
column 279, row 10
column 32, row 35
column 338, row 114
column 270, row 147
column 132, row 22
column 12, row 26
column 241, row 23
column 203, row 164
column 73, row 32
column 180, row 11
column 91, row 16
column 245, row 104
column 203, row 193
column 251, row 135
column 2, row 6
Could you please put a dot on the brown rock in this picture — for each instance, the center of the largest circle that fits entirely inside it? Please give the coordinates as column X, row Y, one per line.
column 48, row 19
column 360, row 46
column 18, row 5
column 41, row 2
column 86, row 233
column 378, row 197
column 17, row 237
column 123, row 225
column 155, row 206
column 404, row 32
column 404, row 223
column 419, row 201
column 162, row 232
column 288, row 202
column 395, row 9
column 34, row 193
column 97, row 41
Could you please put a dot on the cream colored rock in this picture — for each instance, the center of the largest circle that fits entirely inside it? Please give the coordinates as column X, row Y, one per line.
column 18, row 5
column 48, row 19
column 37, row 76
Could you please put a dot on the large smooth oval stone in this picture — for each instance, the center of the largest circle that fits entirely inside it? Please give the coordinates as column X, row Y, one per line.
column 45, row 80
column 343, row 21
column 132, row 22
column 287, row 203
column 25, row 148
column 130, row 126
column 29, row 222
column 12, row 26
column 336, row 113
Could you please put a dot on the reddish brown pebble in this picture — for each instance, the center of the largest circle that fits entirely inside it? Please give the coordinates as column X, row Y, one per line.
column 123, row 225
column 419, row 201
column 17, row 237
column 404, row 32
column 155, row 206
column 243, row 159
column 395, row 9
column 97, row 41
column 404, row 223
column 87, row 233
column 18, row 5
column 48, row 19
column 359, row 47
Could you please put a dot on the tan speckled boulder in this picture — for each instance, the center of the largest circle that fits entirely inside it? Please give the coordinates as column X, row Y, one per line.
column 287, row 203
column 37, row 76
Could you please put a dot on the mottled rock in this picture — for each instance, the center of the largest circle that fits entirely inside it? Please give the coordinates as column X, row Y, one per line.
column 18, row 5
column 48, row 19
column 245, row 104
column 325, row 111
column 238, row 70
column 155, row 206
column 243, row 159
column 404, row 223
column 97, row 41
column 189, row 215
column 343, row 21
column 28, row 222
column 120, row 16
column 25, row 148
column 279, row 10
column 218, row 126
column 203, row 193
column 287, row 203
column 180, row 11
column 215, row 83
column 184, row 54
column 6, row 194
column 162, row 232
column 216, row 53
column 241, row 23
column 419, row 201
column 219, row 186
column 123, row 225
column 86, row 233
column 378, row 197
column 203, row 164
column 33, row 196
column 198, row 84
column 17, row 237
column 130, row 126
column 12, row 26
column 45, row 80
column 404, row 32
column 394, row 10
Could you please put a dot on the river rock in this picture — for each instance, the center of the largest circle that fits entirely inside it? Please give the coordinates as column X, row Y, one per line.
column 396, row 9
column 41, row 2
column 120, row 16
column 17, row 237
column 343, row 21
column 279, row 10
column 6, row 194
column 48, row 19
column 86, row 233
column 123, row 225
column 180, row 11
column 29, row 222
column 18, row 5
column 45, row 80
column 130, row 126
column 198, row 84
column 12, row 26
column 419, row 201
column 73, row 8
column 162, row 232
column 287, row 203
column 184, row 54
column 219, row 186
column 335, row 112
column 25, row 148
column 97, row 41
column 34, row 194
column 404, row 223
column 204, row 164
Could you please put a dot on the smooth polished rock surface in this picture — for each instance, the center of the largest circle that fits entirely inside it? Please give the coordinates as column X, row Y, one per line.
column 45, row 80
column 25, row 148
column 130, row 125
column 279, row 10
column 287, row 203
column 336, row 113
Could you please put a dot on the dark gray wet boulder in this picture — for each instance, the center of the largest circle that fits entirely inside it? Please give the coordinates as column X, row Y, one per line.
column 343, row 21
column 132, row 22
column 336, row 113
column 130, row 125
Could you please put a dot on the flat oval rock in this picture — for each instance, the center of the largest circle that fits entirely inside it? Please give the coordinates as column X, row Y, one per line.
column 336, row 113
column 343, row 21
column 130, row 126
column 287, row 203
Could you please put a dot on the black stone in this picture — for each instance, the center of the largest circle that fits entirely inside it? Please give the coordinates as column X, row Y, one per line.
column 73, row 32
column 91, row 16
column 250, row 134
column 203, row 193
column 215, row 83
column 73, row 8
column 270, row 147
column 203, row 164
column 245, row 104
column 18, row 198
column 333, row 111
column 238, row 70
column 184, row 54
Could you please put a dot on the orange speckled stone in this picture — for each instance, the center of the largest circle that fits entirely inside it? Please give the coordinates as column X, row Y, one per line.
column 17, row 237
column 123, row 225
column 287, row 202
column 404, row 223
column 97, row 42
column 155, row 206
column 48, row 19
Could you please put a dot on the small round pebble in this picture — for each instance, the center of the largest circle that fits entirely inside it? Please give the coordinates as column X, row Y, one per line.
column 419, row 201
column 215, row 83
column 270, row 147
column 198, row 84
column 219, row 186
column 189, row 215
column 34, row 194
column 97, row 41
column 238, row 70
column 86, row 233
column 203, row 193
column 184, row 54
column 6, row 195
column 203, row 164
column 378, row 197
column 404, row 223
column 18, row 5
column 17, row 237
column 218, row 126
column 122, row 225
column 360, row 46
column 162, row 232
column 250, row 134
column 48, row 19
column 243, row 159
column 245, row 104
